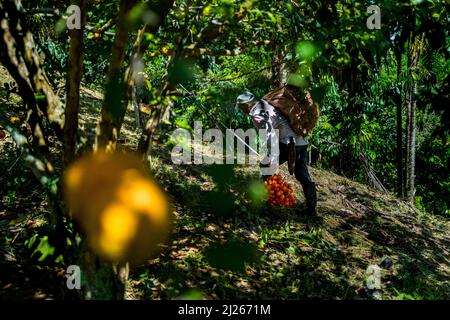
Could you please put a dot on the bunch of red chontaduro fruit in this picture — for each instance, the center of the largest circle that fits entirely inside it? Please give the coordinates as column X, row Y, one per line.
column 280, row 192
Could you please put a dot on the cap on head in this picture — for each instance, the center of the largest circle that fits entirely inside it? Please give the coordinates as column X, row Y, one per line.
column 245, row 98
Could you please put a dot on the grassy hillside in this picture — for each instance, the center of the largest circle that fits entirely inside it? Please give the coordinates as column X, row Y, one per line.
column 299, row 257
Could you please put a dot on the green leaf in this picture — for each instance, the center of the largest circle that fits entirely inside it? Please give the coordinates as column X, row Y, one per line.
column 29, row 242
column 257, row 192
column 191, row 295
column 306, row 50
column 44, row 248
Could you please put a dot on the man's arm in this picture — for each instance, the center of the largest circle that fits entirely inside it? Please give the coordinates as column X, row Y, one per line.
column 261, row 120
column 259, row 115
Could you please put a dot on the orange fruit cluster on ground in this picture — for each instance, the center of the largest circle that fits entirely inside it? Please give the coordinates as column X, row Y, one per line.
column 279, row 192
column 124, row 214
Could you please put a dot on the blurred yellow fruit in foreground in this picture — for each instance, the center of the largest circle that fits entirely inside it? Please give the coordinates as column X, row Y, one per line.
column 14, row 120
column 125, row 214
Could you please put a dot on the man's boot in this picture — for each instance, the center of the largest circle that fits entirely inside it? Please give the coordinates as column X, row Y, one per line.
column 311, row 199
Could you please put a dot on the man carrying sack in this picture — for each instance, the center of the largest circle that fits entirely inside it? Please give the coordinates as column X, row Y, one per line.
column 292, row 146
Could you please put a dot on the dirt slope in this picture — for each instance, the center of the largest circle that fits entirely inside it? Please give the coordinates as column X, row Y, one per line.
column 301, row 257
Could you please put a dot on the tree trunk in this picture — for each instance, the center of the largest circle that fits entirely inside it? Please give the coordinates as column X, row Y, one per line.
column 19, row 55
column 73, row 86
column 136, row 107
column 162, row 8
column 132, row 78
column 408, row 145
column 101, row 280
column 278, row 68
column 415, row 49
column 410, row 185
column 399, row 152
column 106, row 281
column 113, row 111
column 114, row 104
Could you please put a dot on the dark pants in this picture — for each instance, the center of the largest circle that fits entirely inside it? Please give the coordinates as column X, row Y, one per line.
column 301, row 168
column 301, row 172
